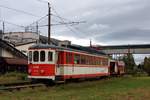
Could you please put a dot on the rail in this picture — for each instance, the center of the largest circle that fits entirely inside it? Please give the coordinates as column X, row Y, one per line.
column 18, row 86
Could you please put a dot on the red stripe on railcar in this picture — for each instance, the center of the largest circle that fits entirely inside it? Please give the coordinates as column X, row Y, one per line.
column 85, row 75
column 42, row 69
column 79, row 65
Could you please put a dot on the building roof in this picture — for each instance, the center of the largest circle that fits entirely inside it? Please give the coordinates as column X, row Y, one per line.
column 44, row 40
column 13, row 50
column 76, row 48
column 87, row 49
column 25, row 43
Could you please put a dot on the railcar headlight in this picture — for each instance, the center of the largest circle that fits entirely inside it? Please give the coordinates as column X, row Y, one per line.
column 29, row 71
column 42, row 71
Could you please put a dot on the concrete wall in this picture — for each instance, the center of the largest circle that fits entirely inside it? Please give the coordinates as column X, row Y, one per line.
column 24, row 48
column 21, row 37
column 8, row 54
column 64, row 43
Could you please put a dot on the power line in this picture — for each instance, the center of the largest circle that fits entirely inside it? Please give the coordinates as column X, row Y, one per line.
column 69, row 22
column 10, row 30
column 62, row 19
column 12, row 23
column 20, row 11
column 61, row 23
column 43, row 1
column 38, row 20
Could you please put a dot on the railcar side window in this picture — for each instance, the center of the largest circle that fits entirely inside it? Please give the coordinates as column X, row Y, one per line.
column 36, row 56
column 68, row 58
column 83, row 59
column 42, row 56
column 50, row 56
column 77, row 59
column 30, row 55
column 105, row 62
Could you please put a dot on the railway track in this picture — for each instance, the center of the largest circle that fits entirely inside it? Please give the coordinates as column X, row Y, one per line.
column 19, row 86
column 23, row 85
column 14, row 84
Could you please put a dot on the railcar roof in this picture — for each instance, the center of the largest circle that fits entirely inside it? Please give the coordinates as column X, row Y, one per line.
column 69, row 48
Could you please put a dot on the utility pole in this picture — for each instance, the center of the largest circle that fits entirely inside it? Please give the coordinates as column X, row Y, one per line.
column 37, row 32
column 37, row 28
column 90, row 43
column 3, row 27
column 49, row 23
column 3, row 30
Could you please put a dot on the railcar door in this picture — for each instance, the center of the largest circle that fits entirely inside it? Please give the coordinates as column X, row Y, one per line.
column 58, row 64
column 52, row 58
column 113, row 67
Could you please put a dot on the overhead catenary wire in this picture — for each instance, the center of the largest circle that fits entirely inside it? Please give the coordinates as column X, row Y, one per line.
column 12, row 23
column 38, row 20
column 20, row 11
column 12, row 28
column 69, row 21
column 61, row 23
column 43, row 1
column 62, row 19
column 58, row 22
column 34, row 24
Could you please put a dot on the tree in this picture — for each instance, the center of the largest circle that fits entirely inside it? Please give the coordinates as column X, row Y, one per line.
column 129, row 63
column 147, row 65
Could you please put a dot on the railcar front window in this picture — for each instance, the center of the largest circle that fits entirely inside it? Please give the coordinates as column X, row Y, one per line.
column 50, row 56
column 36, row 56
column 30, row 55
column 42, row 56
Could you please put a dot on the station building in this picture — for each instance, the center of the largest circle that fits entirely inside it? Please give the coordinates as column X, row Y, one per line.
column 14, row 49
column 11, row 59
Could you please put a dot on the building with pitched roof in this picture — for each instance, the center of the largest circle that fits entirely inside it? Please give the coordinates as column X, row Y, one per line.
column 11, row 59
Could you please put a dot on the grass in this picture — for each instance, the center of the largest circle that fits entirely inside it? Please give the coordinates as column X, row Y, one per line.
column 12, row 77
column 129, row 88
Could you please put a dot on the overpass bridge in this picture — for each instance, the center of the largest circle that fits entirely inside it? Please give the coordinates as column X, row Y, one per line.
column 125, row 49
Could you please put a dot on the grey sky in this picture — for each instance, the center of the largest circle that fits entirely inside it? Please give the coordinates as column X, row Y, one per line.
column 109, row 22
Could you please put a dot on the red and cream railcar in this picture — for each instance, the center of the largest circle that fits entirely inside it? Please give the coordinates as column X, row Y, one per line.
column 116, row 67
column 59, row 64
column 121, row 67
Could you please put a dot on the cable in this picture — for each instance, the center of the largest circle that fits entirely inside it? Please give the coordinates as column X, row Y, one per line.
column 67, row 24
column 43, row 1
column 62, row 19
column 69, row 21
column 38, row 20
column 21, row 11
column 12, row 23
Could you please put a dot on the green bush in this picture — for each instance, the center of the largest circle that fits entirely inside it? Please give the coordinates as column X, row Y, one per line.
column 147, row 65
column 20, row 76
